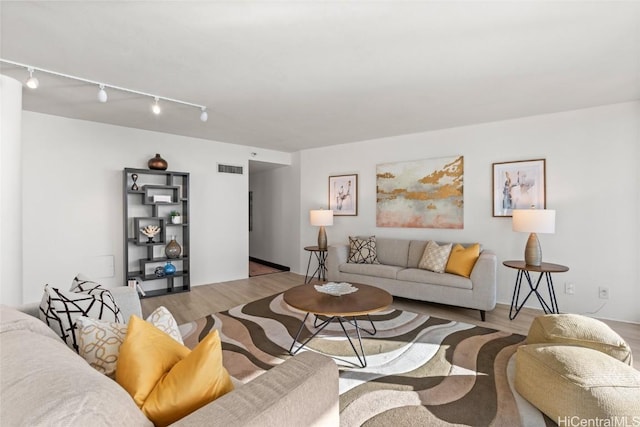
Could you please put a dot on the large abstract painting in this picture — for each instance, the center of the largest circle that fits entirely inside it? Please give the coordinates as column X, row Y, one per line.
column 421, row 194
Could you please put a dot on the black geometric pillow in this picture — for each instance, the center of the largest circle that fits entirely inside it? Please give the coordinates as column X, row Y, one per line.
column 362, row 250
column 60, row 309
column 82, row 283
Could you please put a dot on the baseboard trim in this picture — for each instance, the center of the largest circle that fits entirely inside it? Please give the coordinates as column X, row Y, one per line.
column 270, row 264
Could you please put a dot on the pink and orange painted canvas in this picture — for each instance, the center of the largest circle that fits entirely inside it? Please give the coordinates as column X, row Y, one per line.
column 421, row 194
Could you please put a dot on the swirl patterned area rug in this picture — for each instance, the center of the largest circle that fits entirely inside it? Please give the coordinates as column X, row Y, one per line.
column 421, row 370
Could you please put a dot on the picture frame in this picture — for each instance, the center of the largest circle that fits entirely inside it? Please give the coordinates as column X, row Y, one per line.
column 343, row 195
column 519, row 184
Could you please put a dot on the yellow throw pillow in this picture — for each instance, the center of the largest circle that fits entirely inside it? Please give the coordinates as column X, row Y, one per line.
column 193, row 382
column 167, row 380
column 462, row 260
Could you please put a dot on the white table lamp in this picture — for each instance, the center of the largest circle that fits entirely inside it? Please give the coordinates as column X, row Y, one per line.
column 321, row 218
column 534, row 221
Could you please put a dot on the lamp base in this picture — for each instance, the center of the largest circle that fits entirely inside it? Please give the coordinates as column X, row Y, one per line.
column 533, row 252
column 322, row 238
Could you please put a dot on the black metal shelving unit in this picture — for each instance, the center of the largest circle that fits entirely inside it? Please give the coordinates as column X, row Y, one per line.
column 139, row 209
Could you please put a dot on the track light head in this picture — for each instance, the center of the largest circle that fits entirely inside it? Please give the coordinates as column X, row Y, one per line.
column 102, row 95
column 155, row 107
column 204, row 116
column 32, row 82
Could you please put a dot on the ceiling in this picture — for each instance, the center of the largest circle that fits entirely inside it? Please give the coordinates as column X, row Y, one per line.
column 292, row 75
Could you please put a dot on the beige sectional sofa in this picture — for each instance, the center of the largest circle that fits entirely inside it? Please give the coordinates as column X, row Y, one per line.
column 44, row 382
column 398, row 274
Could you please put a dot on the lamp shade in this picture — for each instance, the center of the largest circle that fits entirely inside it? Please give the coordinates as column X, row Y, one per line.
column 321, row 217
column 534, row 220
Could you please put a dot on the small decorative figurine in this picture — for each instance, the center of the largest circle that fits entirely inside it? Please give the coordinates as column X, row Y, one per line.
column 134, row 177
column 150, row 231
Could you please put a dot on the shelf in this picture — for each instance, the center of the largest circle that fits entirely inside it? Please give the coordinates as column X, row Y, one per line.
column 135, row 242
column 163, row 259
column 147, row 277
column 160, row 292
column 156, row 172
column 143, row 262
column 140, row 209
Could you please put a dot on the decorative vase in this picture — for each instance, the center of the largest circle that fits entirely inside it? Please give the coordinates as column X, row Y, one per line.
column 157, row 163
column 173, row 249
column 169, row 268
column 159, row 272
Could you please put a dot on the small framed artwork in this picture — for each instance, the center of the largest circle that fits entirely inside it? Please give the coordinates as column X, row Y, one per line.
column 343, row 194
column 518, row 185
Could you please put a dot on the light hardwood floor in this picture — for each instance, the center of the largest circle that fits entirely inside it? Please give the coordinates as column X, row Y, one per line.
column 207, row 299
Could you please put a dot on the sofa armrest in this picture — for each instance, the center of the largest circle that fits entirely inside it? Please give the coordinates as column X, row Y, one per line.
column 338, row 254
column 128, row 301
column 302, row 391
column 32, row 309
column 484, row 278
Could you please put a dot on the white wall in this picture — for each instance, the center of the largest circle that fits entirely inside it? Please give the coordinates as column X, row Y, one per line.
column 10, row 191
column 72, row 189
column 276, row 223
column 592, row 159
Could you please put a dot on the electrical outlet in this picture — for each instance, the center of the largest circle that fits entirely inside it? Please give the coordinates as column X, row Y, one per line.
column 603, row 292
column 569, row 288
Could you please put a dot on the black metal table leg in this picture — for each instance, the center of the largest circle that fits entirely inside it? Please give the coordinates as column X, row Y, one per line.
column 320, row 327
column 306, row 275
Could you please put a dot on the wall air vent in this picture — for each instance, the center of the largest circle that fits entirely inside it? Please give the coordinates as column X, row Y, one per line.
column 230, row 169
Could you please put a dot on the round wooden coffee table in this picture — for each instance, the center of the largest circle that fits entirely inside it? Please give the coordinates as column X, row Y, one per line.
column 345, row 308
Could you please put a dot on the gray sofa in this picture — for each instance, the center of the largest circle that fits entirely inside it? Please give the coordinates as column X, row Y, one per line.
column 398, row 274
column 44, row 382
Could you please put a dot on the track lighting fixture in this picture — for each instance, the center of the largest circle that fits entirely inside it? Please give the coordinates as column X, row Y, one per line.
column 33, row 83
column 155, row 107
column 102, row 95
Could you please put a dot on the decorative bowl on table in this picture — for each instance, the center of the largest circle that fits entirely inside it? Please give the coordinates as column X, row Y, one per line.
column 336, row 289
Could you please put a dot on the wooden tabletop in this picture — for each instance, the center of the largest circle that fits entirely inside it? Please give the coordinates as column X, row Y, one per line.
column 545, row 267
column 366, row 300
column 314, row 249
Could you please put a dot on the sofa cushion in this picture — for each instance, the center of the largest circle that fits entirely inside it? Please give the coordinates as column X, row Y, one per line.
column 425, row 276
column 570, row 381
column 362, row 250
column 43, row 382
column 416, row 249
column 435, row 257
column 166, row 379
column 60, row 309
column 462, row 260
column 99, row 341
column 377, row 270
column 574, row 329
column 392, row 251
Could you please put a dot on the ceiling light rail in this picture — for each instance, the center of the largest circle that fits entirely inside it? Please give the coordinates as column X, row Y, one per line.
column 32, row 82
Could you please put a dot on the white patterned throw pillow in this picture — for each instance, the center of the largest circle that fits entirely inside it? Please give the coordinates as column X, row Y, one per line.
column 362, row 250
column 60, row 309
column 99, row 341
column 435, row 257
